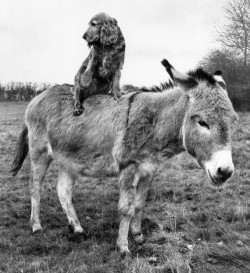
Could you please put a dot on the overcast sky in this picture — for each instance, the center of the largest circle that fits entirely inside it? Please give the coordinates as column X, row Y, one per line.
column 40, row 40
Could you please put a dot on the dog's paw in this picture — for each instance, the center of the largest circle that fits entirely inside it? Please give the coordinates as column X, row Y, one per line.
column 78, row 110
column 117, row 94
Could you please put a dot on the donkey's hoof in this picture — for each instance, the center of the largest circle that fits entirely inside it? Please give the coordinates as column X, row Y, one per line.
column 71, row 228
column 37, row 231
column 125, row 255
column 139, row 238
column 76, row 236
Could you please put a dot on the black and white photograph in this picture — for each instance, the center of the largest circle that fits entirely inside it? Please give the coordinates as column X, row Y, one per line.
column 125, row 136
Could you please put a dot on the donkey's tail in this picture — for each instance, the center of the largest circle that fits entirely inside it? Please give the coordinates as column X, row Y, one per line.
column 22, row 148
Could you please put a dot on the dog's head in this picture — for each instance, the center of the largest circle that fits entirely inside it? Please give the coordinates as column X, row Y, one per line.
column 102, row 30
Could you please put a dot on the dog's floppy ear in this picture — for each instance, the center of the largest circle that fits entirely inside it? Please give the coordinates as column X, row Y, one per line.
column 109, row 32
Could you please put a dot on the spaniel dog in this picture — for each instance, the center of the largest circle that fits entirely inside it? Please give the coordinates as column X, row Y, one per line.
column 100, row 73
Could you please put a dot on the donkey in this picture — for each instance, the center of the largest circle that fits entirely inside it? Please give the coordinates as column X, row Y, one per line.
column 126, row 138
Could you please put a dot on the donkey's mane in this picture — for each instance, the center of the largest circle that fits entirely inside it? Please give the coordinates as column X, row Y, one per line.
column 200, row 75
column 154, row 89
column 158, row 88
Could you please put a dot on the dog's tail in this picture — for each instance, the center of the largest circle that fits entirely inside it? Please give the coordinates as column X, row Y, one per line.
column 22, row 149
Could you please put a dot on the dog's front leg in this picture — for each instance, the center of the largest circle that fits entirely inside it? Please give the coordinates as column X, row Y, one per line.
column 116, row 81
column 86, row 77
column 116, row 85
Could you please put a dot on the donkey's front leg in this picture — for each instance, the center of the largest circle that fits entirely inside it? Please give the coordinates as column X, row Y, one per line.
column 127, row 186
column 64, row 190
column 145, row 176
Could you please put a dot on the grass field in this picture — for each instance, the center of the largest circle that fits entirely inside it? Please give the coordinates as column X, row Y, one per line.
column 189, row 224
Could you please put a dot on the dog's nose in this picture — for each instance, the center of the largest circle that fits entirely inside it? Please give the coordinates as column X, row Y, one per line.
column 84, row 36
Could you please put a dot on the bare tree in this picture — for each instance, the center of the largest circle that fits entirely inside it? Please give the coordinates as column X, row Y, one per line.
column 235, row 33
column 222, row 59
column 234, row 74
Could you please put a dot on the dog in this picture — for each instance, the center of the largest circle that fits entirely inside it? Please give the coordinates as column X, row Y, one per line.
column 100, row 73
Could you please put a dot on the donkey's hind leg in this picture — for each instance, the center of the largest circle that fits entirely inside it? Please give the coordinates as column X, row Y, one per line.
column 127, row 187
column 64, row 190
column 39, row 166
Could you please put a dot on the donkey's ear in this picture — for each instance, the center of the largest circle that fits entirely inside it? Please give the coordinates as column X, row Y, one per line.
column 179, row 78
column 218, row 77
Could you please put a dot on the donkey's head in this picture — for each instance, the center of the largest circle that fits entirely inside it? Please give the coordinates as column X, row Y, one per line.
column 206, row 126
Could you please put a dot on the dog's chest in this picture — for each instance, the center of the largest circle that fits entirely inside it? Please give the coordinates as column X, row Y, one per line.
column 108, row 64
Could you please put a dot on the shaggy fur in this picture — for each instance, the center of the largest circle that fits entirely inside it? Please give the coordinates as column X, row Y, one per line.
column 125, row 137
column 100, row 73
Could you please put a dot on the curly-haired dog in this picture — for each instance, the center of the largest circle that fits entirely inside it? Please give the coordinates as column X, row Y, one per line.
column 100, row 73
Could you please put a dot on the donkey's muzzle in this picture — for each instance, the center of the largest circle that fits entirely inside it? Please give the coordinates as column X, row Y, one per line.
column 224, row 173
column 220, row 167
column 221, row 176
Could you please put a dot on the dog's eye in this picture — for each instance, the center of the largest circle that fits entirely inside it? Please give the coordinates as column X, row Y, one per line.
column 93, row 23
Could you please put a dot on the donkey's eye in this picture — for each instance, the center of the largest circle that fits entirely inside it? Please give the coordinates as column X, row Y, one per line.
column 200, row 121
column 203, row 124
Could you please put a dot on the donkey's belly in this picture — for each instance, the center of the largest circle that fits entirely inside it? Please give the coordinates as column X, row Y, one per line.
column 95, row 165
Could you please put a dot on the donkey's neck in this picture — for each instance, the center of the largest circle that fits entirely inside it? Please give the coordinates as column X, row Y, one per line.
column 173, row 106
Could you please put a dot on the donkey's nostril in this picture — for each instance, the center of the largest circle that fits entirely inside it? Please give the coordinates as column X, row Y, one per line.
column 220, row 171
column 224, row 173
